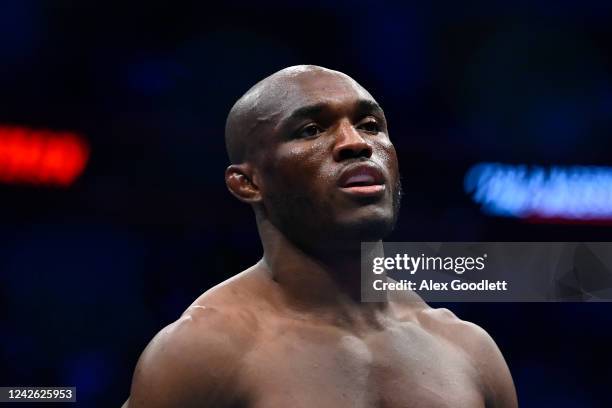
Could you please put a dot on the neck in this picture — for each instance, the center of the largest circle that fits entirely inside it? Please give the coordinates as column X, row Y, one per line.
column 317, row 279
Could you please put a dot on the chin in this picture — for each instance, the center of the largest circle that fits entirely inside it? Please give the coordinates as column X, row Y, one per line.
column 367, row 228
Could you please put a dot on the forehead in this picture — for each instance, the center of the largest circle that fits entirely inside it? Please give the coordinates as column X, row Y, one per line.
column 282, row 95
column 328, row 87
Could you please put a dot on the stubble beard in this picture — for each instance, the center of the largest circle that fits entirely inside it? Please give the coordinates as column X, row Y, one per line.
column 307, row 223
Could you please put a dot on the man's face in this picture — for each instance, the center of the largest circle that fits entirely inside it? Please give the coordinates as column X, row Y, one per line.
column 328, row 170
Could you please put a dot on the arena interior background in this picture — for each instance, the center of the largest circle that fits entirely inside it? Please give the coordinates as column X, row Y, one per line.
column 90, row 272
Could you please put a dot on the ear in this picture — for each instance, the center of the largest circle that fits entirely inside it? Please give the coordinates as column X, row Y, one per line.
column 239, row 181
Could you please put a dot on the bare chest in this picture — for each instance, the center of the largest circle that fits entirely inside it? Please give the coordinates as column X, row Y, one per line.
column 399, row 367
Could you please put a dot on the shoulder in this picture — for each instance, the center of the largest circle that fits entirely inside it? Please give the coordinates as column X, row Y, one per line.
column 441, row 322
column 481, row 350
column 446, row 324
column 470, row 337
column 194, row 359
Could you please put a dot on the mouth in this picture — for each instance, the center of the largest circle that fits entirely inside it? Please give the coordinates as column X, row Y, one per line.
column 362, row 180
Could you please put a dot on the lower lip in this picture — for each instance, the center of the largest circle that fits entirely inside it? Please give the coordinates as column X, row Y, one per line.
column 365, row 191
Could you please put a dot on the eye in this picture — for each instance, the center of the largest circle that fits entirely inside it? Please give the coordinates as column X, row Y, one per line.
column 309, row 131
column 370, row 126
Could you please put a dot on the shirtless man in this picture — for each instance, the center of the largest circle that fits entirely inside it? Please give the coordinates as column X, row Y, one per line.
column 311, row 154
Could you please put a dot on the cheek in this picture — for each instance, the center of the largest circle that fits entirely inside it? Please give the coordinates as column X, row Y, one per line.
column 387, row 157
column 300, row 164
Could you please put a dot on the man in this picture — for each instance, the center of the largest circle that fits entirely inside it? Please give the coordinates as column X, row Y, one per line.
column 311, row 154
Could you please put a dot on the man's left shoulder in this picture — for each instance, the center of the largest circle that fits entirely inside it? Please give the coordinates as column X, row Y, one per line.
column 479, row 347
column 469, row 336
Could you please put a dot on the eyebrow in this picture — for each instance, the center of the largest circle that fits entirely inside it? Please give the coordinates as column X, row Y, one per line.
column 367, row 105
column 361, row 106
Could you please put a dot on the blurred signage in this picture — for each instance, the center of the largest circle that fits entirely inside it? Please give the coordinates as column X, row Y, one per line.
column 41, row 157
column 556, row 194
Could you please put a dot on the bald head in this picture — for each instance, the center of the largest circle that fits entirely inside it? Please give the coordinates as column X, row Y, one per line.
column 266, row 104
column 294, row 138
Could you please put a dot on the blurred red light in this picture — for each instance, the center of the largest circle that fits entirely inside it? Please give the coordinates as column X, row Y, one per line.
column 41, row 157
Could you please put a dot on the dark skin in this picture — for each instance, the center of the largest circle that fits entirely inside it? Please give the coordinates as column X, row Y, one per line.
column 291, row 330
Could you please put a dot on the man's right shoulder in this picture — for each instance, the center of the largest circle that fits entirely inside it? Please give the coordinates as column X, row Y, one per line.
column 195, row 360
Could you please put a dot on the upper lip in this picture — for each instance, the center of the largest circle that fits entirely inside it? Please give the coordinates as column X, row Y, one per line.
column 362, row 175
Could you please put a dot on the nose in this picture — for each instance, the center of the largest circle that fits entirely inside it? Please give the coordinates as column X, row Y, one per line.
column 350, row 143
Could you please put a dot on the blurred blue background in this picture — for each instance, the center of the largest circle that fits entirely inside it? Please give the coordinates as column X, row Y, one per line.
column 89, row 273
